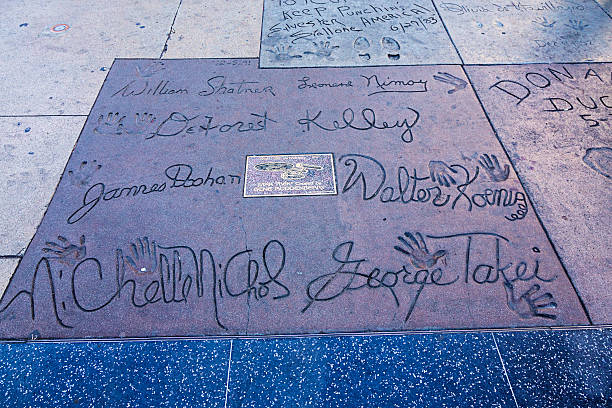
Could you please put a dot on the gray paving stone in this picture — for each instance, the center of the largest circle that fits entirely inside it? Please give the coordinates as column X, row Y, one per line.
column 216, row 29
column 7, row 267
column 34, row 151
column 57, row 54
column 522, row 32
column 606, row 4
column 555, row 122
column 303, row 33
column 209, row 197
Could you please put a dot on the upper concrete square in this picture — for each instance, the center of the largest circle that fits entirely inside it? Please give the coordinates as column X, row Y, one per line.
column 325, row 33
column 521, row 32
column 216, row 29
column 57, row 54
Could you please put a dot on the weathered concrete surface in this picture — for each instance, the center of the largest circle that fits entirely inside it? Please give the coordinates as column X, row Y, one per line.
column 219, row 29
column 7, row 267
column 520, row 32
column 57, row 54
column 300, row 33
column 149, row 232
column 606, row 4
column 556, row 123
column 34, row 152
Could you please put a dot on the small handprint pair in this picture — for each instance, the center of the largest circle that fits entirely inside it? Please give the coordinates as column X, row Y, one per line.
column 113, row 124
column 528, row 304
column 443, row 174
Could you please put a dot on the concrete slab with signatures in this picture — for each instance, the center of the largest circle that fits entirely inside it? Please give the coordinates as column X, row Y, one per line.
column 303, row 33
column 149, row 232
column 556, row 123
column 522, row 32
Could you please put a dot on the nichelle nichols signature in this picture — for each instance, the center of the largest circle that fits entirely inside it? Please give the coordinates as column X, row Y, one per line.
column 150, row 275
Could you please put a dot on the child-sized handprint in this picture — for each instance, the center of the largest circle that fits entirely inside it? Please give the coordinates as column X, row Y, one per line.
column 142, row 259
column 82, row 176
column 282, row 52
column 440, row 172
column 142, row 124
column 543, row 21
column 529, row 304
column 576, row 25
column 447, row 78
column 150, row 69
column 417, row 251
column 111, row 124
column 65, row 252
column 323, row 49
column 493, row 168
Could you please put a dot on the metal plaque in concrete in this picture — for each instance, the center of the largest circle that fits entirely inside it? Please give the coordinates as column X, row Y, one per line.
column 333, row 33
column 152, row 231
column 556, row 122
column 521, row 32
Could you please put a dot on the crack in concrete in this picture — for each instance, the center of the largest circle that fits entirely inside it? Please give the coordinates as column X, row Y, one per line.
column 171, row 31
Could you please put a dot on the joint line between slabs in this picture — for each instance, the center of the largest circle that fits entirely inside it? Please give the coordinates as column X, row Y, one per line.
column 529, row 198
column 229, row 366
column 43, row 116
column 448, row 33
column 504, row 368
column 171, row 30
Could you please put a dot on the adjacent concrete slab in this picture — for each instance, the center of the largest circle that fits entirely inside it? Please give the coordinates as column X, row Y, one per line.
column 304, row 33
column 606, row 4
column 556, row 122
column 150, row 232
column 7, row 267
column 518, row 32
column 34, row 153
column 56, row 54
column 228, row 29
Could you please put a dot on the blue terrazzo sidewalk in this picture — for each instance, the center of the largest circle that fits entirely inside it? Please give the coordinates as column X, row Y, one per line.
column 569, row 368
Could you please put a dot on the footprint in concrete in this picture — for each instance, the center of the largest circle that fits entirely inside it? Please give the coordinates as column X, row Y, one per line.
column 600, row 160
column 362, row 45
column 392, row 47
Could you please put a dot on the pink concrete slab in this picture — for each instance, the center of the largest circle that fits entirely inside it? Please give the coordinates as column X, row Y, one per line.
column 150, row 234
